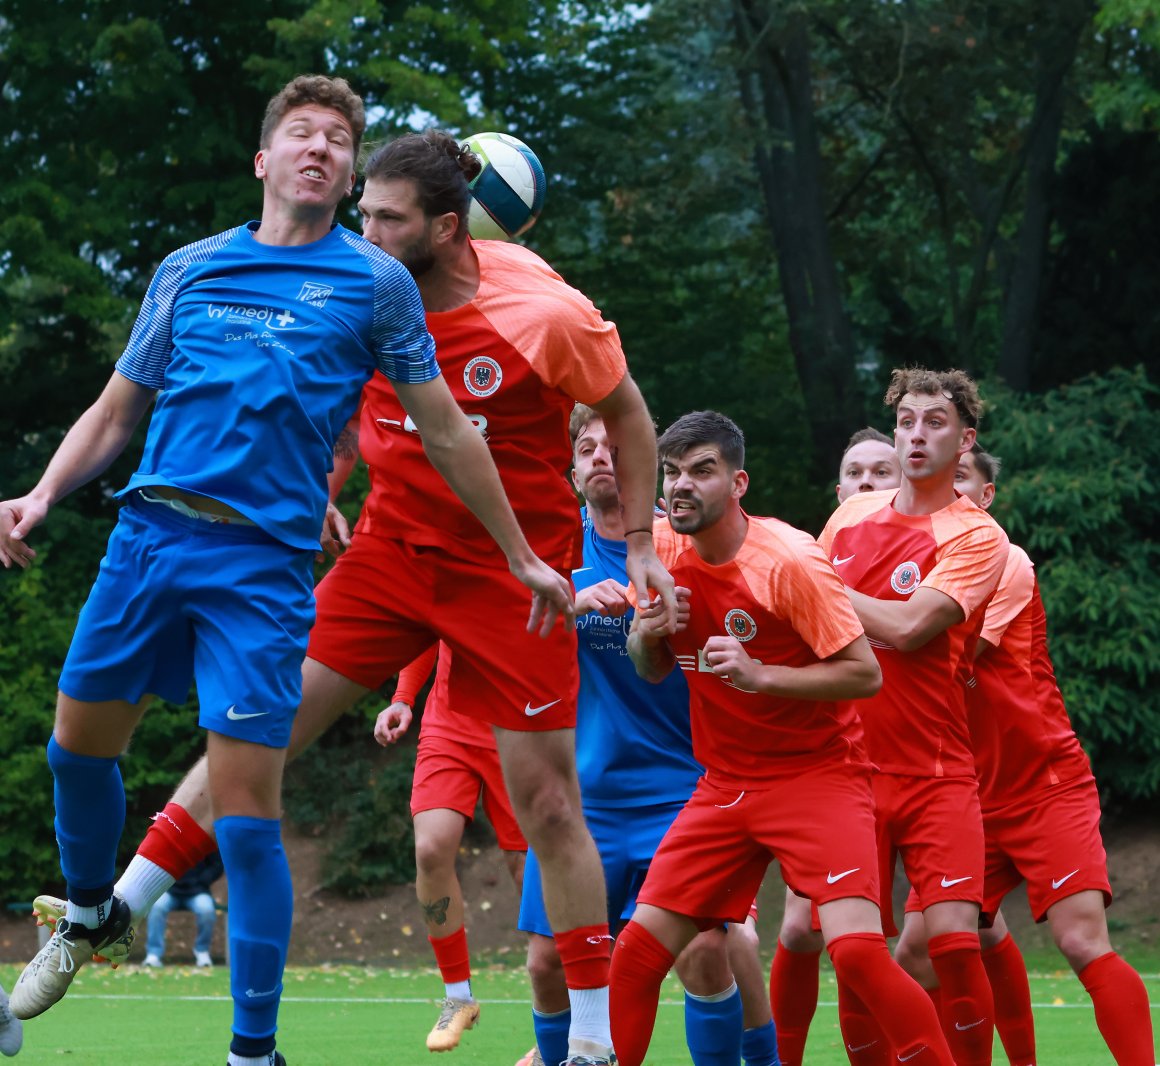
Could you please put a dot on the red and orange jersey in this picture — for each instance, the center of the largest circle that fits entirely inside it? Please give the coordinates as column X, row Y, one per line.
column 917, row 724
column 1023, row 738
column 439, row 720
column 782, row 600
column 516, row 358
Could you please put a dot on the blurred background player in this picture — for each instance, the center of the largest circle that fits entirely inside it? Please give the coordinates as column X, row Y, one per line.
column 869, row 464
column 773, row 652
column 635, row 760
column 1041, row 814
column 456, row 768
column 190, row 892
column 920, row 565
column 518, row 347
column 11, row 1028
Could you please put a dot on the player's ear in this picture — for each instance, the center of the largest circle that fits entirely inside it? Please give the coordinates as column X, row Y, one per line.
column 740, row 483
column 988, row 496
column 446, row 227
column 260, row 164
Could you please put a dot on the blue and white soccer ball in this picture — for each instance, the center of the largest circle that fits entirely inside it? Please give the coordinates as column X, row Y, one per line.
column 508, row 194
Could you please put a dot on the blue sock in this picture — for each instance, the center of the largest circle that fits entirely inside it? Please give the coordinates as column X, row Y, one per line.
column 552, row 1035
column 260, row 909
column 759, row 1046
column 90, row 814
column 713, row 1028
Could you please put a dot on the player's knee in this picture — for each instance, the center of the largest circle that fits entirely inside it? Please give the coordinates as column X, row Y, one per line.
column 703, row 966
column 797, row 932
column 545, row 970
column 549, row 820
column 433, row 855
column 1081, row 942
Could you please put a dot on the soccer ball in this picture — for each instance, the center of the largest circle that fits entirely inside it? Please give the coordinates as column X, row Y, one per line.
column 508, row 194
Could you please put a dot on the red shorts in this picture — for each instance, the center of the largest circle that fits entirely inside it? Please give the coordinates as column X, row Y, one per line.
column 456, row 777
column 819, row 826
column 936, row 825
column 1052, row 840
column 385, row 602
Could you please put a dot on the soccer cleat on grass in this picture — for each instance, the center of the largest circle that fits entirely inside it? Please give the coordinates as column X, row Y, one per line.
column 11, row 1029
column 153, row 962
column 532, row 1058
column 202, row 958
column 46, row 978
column 588, row 1060
column 455, row 1016
column 275, row 1059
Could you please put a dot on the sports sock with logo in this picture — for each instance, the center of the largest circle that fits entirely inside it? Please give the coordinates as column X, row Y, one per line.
column 968, row 1010
column 454, row 962
column 866, row 1043
column 173, row 846
column 759, row 1046
column 90, row 815
column 713, row 1028
column 793, row 998
column 584, row 955
column 862, row 962
column 552, row 1034
column 1012, row 994
column 1122, row 1014
column 261, row 906
column 639, row 965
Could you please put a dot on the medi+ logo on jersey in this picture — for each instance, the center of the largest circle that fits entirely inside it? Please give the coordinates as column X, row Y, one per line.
column 278, row 319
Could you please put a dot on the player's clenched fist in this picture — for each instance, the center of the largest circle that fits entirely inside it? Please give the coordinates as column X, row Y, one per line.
column 654, row 621
column 728, row 660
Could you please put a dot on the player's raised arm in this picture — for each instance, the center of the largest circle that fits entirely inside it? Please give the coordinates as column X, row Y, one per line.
column 460, row 454
column 94, row 441
column 632, row 440
column 648, row 644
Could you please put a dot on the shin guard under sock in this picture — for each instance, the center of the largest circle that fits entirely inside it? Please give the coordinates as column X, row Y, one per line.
column 713, row 1028
column 968, row 1010
column 1122, row 1013
column 1012, row 995
column 793, row 998
column 639, row 965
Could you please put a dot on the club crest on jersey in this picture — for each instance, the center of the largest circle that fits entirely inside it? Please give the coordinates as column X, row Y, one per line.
column 906, row 578
column 315, row 294
column 740, row 625
column 482, row 376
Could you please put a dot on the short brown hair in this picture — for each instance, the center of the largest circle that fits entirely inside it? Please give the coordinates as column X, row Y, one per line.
column 334, row 94
column 582, row 416
column 438, row 164
column 863, row 435
column 953, row 383
column 704, row 427
column 988, row 465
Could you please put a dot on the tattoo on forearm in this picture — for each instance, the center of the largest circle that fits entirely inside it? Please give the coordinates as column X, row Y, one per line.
column 346, row 447
column 435, row 911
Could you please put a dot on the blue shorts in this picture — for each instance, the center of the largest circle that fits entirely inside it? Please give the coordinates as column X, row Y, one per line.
column 627, row 839
column 179, row 598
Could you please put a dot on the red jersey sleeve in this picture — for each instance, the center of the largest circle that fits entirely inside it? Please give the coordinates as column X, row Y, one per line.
column 1016, row 587
column 413, row 676
column 972, row 560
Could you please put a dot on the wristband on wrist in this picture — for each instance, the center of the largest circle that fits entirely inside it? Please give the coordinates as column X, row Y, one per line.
column 647, row 530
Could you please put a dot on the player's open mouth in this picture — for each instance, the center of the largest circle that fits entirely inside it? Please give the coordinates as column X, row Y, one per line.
column 682, row 506
column 313, row 172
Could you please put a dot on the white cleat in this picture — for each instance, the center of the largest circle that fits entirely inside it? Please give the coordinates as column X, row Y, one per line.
column 11, row 1028
column 47, row 977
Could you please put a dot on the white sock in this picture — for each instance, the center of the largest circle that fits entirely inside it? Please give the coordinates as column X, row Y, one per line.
column 142, row 884
column 458, row 990
column 589, row 1020
column 245, row 1060
column 89, row 917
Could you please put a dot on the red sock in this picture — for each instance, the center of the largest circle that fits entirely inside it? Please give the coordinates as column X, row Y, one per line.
column 451, row 956
column 862, row 962
column 1012, row 994
column 175, row 842
column 639, row 965
column 793, row 998
column 584, row 953
column 1122, row 1013
column 968, row 1011
column 935, row 996
column 866, row 1044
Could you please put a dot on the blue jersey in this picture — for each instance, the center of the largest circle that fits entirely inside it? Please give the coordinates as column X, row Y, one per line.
column 259, row 353
column 633, row 740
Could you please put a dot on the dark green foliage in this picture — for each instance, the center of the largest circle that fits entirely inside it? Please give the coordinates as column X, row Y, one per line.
column 356, row 794
column 1079, row 493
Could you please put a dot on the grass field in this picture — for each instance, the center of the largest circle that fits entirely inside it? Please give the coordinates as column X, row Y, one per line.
column 334, row 1016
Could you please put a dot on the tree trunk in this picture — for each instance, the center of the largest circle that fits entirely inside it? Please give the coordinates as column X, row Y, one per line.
column 777, row 91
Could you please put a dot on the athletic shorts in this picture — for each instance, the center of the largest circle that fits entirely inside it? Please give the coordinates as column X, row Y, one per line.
column 818, row 825
column 936, row 825
column 627, row 838
column 457, row 777
column 385, row 602
column 180, row 599
column 1052, row 840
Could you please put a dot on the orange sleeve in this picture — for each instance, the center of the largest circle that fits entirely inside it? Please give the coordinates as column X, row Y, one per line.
column 969, row 568
column 851, row 511
column 1016, row 587
column 414, row 675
